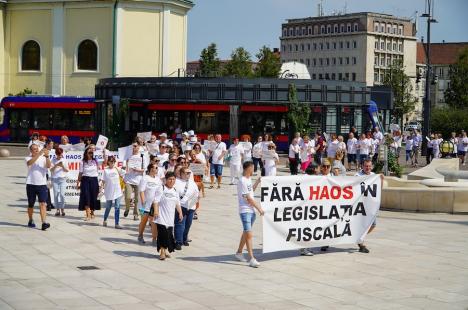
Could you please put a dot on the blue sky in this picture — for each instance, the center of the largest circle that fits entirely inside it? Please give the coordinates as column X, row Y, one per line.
column 254, row 23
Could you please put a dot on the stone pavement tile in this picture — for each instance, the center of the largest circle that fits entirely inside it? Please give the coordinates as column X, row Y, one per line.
column 29, row 301
column 119, row 299
column 138, row 306
column 424, row 303
column 239, row 305
column 390, row 294
column 5, row 306
column 209, row 299
column 255, row 297
column 75, row 302
column 279, row 305
column 319, row 302
column 179, row 303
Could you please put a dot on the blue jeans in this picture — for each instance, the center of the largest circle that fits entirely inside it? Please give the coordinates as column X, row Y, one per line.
column 248, row 219
column 116, row 203
column 257, row 162
column 216, row 170
column 182, row 228
column 59, row 185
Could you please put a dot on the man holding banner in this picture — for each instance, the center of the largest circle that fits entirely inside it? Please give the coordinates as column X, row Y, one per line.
column 247, row 206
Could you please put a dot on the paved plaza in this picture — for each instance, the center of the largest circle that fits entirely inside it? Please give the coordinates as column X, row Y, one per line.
column 417, row 261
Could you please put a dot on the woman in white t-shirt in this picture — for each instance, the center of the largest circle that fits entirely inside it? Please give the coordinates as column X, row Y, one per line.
column 247, row 148
column 112, row 190
column 332, row 147
column 165, row 209
column 149, row 189
column 307, row 152
column 294, row 156
column 271, row 161
column 59, row 182
column 236, row 153
column 364, row 146
column 88, row 183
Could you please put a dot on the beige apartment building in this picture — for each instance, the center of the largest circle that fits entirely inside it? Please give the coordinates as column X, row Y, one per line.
column 64, row 47
column 353, row 47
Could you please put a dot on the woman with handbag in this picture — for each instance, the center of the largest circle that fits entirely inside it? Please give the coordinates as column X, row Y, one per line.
column 165, row 208
column 112, row 190
column 150, row 188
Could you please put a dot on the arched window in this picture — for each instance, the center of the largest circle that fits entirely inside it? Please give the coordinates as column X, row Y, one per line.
column 87, row 57
column 31, row 56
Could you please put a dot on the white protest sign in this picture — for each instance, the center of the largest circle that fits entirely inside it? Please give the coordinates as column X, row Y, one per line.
column 74, row 160
column 312, row 211
column 197, row 169
column 101, row 142
column 66, row 147
column 146, row 136
column 78, row 147
column 125, row 152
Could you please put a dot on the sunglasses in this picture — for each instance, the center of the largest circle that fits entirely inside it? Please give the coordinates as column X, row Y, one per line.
column 325, row 166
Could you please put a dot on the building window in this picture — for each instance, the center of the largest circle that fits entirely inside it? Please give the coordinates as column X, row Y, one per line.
column 333, row 76
column 388, row 61
column 302, row 47
column 394, row 30
column 283, row 48
column 341, row 60
column 347, row 60
column 394, row 47
column 334, row 45
column 301, row 61
column 290, row 47
column 296, row 47
column 328, row 61
column 347, row 44
column 320, row 76
column 327, row 77
column 400, row 30
column 315, row 46
column 335, row 28
column 389, row 46
column 31, row 56
column 441, row 72
column 347, row 76
column 348, row 28
column 382, row 45
column 87, row 58
column 321, row 61
column 382, row 61
column 389, row 29
column 328, row 29
column 308, row 62
column 297, row 31
column 400, row 47
column 334, row 61
column 376, row 27
column 328, row 45
column 354, row 44
column 376, row 45
column 308, row 46
column 382, row 28
column 322, row 29
column 321, row 46
column 356, row 27
column 285, row 32
column 291, row 32
column 353, row 76
column 341, row 44
column 314, row 76
column 340, row 76
column 304, row 31
column 310, row 30
column 354, row 60
column 341, row 28
column 376, row 76
column 314, row 62
column 376, row 60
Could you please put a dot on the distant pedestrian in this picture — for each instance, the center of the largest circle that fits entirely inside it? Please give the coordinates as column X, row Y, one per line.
column 236, row 153
column 88, row 184
column 271, row 161
column 257, row 154
column 59, row 172
column 112, row 190
column 135, row 170
column 247, row 206
column 294, row 156
column 217, row 154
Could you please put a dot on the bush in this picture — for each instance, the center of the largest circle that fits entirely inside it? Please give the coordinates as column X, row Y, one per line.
column 447, row 120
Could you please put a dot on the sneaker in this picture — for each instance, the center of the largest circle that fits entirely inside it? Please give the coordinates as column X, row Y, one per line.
column 186, row 243
column 45, row 226
column 117, row 226
column 253, row 263
column 178, row 247
column 324, row 248
column 240, row 257
column 49, row 208
column 306, row 252
column 195, row 216
column 104, row 223
column 141, row 240
column 363, row 248
column 31, row 224
column 126, row 213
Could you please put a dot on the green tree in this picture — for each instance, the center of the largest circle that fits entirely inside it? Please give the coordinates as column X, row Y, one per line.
column 298, row 113
column 269, row 63
column 24, row 92
column 447, row 120
column 209, row 61
column 456, row 94
column 240, row 65
column 402, row 89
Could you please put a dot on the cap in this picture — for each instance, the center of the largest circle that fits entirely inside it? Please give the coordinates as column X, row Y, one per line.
column 163, row 145
column 163, row 135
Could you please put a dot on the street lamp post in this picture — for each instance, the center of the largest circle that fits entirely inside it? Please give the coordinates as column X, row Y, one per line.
column 426, row 130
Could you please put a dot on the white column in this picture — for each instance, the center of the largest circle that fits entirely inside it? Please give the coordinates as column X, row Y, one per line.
column 118, row 39
column 165, row 41
column 57, row 50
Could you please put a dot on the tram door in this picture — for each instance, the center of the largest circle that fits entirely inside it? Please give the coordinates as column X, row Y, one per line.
column 137, row 121
column 19, row 125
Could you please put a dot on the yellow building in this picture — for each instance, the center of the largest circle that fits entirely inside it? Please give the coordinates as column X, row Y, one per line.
column 64, row 47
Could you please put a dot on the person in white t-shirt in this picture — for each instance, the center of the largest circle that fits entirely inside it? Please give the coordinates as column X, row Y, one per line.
column 409, row 148
column 332, row 147
column 236, row 153
column 294, row 156
column 165, row 208
column 257, row 154
column 36, row 183
column 364, row 146
column 454, row 140
column 149, row 189
column 152, row 145
column 189, row 195
column 462, row 147
column 216, row 156
column 59, row 182
column 270, row 162
column 88, row 183
column 247, row 206
column 112, row 190
column 352, row 145
column 307, row 152
column 247, row 148
column 135, row 170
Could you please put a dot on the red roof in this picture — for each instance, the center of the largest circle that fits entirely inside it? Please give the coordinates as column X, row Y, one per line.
column 441, row 53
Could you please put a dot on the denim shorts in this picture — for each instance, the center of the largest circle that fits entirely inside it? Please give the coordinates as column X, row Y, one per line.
column 216, row 170
column 36, row 190
column 363, row 157
column 248, row 219
column 351, row 158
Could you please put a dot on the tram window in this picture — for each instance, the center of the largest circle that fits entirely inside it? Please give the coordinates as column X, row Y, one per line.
column 358, row 120
column 346, row 116
column 83, row 120
column 2, row 115
column 330, row 125
column 61, row 119
column 315, row 119
column 19, row 119
column 41, row 119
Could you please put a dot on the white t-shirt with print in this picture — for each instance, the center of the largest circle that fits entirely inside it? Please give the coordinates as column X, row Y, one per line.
column 134, row 177
column 257, row 150
column 152, row 187
column 364, row 146
column 245, row 187
column 89, row 168
column 37, row 171
column 307, row 149
column 111, row 179
column 218, row 150
column 463, row 144
column 58, row 172
column 167, row 202
column 247, row 150
column 352, row 146
column 236, row 152
column 190, row 196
